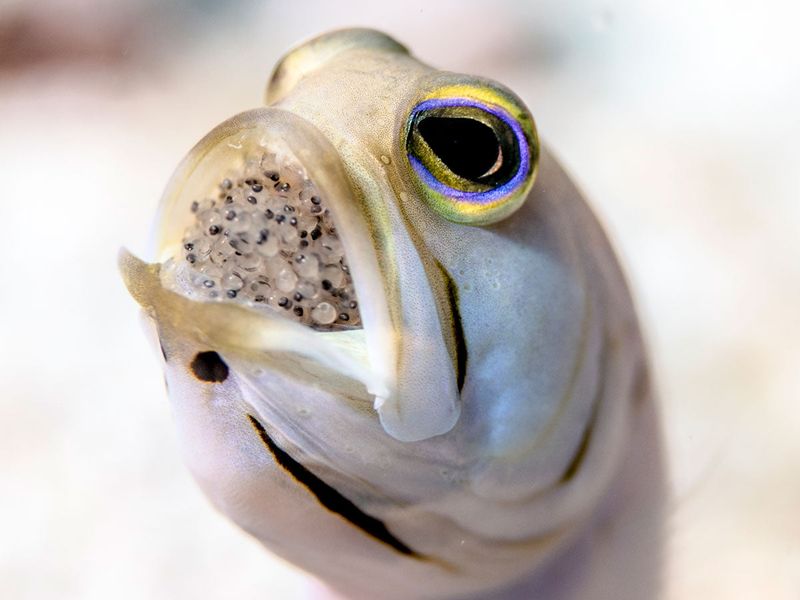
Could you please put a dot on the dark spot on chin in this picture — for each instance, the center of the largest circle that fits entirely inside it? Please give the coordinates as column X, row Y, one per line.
column 208, row 366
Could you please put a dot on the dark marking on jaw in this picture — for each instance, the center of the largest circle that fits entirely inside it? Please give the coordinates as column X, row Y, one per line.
column 642, row 385
column 330, row 498
column 458, row 327
column 209, row 367
column 583, row 448
column 163, row 352
column 580, row 453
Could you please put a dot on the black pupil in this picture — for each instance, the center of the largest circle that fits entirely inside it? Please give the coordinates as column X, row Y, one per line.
column 466, row 146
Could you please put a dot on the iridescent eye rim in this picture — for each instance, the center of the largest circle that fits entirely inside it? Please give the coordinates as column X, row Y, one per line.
column 494, row 195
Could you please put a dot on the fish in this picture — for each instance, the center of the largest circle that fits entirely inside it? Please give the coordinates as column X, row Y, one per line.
column 400, row 350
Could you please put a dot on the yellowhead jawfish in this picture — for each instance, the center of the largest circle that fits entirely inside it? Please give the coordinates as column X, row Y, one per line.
column 399, row 347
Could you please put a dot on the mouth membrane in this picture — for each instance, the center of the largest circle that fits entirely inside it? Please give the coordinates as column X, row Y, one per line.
column 265, row 236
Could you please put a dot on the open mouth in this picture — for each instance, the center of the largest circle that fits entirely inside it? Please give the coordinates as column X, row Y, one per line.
column 267, row 251
column 266, row 237
column 262, row 250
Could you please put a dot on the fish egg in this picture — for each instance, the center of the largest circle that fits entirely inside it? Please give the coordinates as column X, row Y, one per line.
column 269, row 240
column 324, row 313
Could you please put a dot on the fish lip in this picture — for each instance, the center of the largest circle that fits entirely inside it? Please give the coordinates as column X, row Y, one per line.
column 237, row 329
column 417, row 361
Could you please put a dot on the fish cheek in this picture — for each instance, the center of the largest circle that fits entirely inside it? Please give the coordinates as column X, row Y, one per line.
column 217, row 443
column 242, row 469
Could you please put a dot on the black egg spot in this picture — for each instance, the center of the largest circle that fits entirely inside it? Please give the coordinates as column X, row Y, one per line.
column 209, row 367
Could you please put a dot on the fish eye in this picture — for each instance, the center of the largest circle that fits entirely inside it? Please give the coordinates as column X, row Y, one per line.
column 477, row 154
column 473, row 151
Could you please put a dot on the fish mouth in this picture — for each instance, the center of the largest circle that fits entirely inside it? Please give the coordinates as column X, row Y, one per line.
column 370, row 341
column 200, row 256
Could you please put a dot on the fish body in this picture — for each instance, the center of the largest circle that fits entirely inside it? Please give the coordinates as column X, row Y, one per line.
column 399, row 347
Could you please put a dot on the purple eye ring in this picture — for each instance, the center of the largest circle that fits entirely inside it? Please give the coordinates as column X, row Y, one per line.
column 443, row 179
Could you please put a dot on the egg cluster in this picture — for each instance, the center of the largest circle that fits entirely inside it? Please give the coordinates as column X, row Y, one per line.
column 268, row 239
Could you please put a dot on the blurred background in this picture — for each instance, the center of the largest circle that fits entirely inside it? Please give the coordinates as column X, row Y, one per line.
column 679, row 119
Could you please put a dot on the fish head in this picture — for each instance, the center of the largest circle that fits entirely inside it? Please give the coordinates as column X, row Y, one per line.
column 376, row 319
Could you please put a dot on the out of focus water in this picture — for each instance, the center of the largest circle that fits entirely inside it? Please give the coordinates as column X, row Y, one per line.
column 678, row 119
